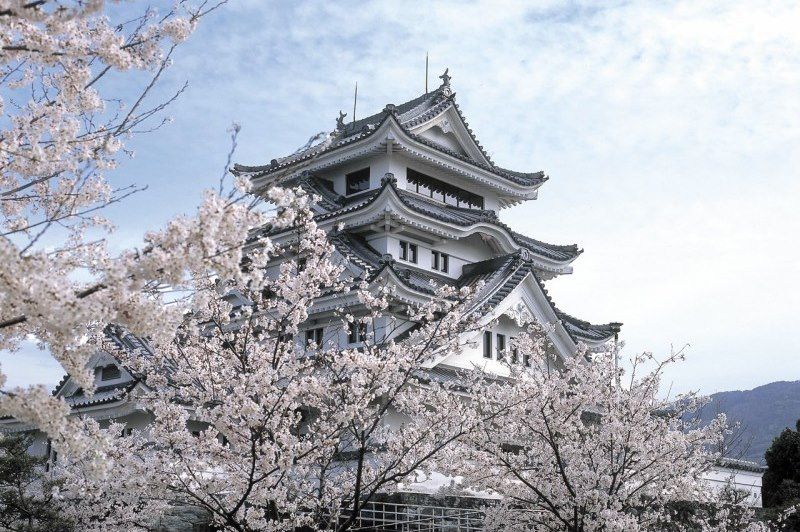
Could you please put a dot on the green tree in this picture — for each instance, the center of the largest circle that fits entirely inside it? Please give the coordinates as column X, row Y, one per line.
column 26, row 500
column 781, row 483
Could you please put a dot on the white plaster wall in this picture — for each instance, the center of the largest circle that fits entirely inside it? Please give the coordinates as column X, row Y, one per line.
column 472, row 355
column 747, row 481
column 446, row 140
column 397, row 164
column 379, row 242
column 379, row 166
column 135, row 420
column 463, row 252
column 337, row 174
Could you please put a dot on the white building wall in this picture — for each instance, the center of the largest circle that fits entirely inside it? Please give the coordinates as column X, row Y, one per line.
column 460, row 252
column 472, row 354
column 446, row 140
column 746, row 481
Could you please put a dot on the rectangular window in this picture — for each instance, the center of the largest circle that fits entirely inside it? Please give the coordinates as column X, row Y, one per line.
column 514, row 352
column 487, row 344
column 357, row 181
column 358, row 333
column 440, row 261
column 501, row 346
column 526, row 360
column 301, row 264
column 408, row 251
column 314, row 338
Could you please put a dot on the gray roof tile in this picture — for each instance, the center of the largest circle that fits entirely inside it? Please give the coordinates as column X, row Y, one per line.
column 409, row 114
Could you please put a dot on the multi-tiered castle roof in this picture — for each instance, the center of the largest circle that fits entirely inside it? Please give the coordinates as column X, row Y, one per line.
column 409, row 198
column 403, row 188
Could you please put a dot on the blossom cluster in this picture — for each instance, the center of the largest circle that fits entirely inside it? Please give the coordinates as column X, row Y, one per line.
column 62, row 131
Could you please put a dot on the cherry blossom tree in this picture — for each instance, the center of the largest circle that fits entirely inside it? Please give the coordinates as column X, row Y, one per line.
column 251, row 424
column 580, row 449
column 63, row 129
column 262, row 430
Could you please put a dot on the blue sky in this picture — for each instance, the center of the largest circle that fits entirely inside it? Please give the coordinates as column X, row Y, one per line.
column 669, row 131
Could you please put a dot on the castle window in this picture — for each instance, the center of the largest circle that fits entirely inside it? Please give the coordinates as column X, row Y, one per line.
column 441, row 191
column 487, row 344
column 440, row 261
column 408, row 251
column 301, row 264
column 501, row 346
column 358, row 333
column 526, row 360
column 514, row 352
column 357, row 181
column 314, row 338
column 109, row 373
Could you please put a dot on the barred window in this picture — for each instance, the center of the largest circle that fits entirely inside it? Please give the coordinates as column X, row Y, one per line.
column 501, row 346
column 314, row 337
column 358, row 333
column 408, row 251
column 440, row 261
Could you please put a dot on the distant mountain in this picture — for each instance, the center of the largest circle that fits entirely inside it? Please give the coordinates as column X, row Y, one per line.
column 763, row 413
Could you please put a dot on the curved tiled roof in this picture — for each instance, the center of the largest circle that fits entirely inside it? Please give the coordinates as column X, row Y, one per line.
column 408, row 115
column 586, row 330
column 503, row 274
column 102, row 395
column 500, row 276
column 520, row 178
column 460, row 216
column 356, row 249
column 553, row 251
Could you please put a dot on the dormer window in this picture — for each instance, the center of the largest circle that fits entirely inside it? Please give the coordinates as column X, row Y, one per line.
column 357, row 181
column 110, row 373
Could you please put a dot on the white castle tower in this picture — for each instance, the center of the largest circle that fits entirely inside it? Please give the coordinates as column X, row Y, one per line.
column 410, row 198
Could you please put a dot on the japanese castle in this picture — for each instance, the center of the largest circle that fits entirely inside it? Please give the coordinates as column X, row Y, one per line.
column 410, row 198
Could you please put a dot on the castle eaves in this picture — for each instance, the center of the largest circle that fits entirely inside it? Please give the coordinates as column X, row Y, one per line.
column 408, row 115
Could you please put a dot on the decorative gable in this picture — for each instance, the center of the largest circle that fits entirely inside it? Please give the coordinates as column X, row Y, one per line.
column 449, row 131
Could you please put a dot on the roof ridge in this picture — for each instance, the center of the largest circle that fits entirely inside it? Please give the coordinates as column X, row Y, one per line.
column 442, row 98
